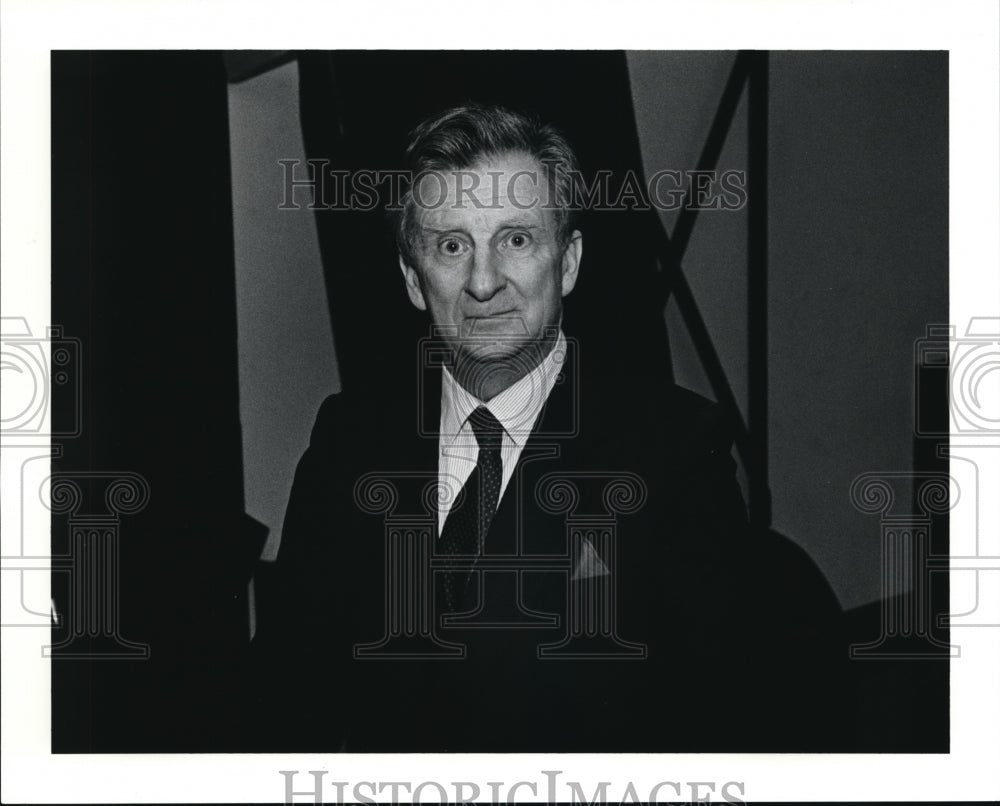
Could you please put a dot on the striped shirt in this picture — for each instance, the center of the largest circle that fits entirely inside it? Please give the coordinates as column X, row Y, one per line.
column 517, row 408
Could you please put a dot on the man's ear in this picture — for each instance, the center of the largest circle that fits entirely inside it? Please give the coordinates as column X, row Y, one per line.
column 412, row 279
column 571, row 261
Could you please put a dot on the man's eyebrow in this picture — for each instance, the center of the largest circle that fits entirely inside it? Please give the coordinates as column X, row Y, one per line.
column 438, row 231
column 514, row 224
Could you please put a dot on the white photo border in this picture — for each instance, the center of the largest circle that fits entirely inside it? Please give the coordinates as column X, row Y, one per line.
column 31, row 29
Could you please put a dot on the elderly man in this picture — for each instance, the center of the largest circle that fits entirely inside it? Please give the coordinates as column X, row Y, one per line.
column 510, row 551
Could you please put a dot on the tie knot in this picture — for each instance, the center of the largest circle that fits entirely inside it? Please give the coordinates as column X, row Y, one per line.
column 487, row 428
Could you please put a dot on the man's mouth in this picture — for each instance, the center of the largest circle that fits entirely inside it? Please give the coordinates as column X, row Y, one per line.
column 488, row 323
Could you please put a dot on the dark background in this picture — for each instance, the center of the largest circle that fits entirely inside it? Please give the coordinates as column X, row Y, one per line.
column 144, row 274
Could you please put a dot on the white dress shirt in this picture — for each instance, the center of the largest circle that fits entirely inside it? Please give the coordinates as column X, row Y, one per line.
column 517, row 408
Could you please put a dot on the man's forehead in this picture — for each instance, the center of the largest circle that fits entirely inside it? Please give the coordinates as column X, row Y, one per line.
column 443, row 224
column 516, row 187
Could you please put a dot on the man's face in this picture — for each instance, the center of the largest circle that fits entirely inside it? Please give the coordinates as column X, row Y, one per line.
column 490, row 268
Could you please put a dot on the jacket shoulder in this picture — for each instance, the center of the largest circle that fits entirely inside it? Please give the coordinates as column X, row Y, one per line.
column 684, row 421
column 700, row 420
column 342, row 416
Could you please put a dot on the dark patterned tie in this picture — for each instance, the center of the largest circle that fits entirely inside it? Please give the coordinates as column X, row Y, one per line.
column 465, row 529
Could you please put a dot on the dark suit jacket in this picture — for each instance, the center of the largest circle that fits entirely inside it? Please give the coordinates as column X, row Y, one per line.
column 713, row 657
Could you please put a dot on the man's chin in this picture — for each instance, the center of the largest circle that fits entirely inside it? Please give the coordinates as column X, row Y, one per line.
column 505, row 349
column 493, row 364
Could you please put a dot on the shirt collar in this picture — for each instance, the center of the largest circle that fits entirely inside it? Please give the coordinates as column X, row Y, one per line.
column 517, row 407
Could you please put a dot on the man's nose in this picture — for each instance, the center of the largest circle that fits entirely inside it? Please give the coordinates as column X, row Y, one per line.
column 486, row 277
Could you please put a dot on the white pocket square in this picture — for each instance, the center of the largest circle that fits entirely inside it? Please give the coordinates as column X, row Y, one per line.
column 589, row 564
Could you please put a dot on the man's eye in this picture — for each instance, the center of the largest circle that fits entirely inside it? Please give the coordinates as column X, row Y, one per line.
column 451, row 247
column 519, row 240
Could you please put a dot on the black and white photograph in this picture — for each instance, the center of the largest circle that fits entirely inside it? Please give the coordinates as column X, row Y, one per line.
column 601, row 410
